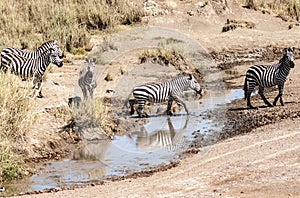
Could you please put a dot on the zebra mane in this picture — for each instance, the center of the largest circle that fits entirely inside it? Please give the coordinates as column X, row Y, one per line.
column 282, row 59
column 46, row 43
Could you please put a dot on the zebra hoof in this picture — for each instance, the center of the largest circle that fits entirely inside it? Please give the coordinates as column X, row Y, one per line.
column 40, row 96
column 169, row 113
column 145, row 115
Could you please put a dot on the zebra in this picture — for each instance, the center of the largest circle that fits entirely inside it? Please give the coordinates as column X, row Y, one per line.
column 268, row 76
column 86, row 80
column 33, row 67
column 165, row 91
column 170, row 139
column 29, row 54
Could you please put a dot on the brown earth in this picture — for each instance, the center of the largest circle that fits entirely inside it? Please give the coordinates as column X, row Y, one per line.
column 263, row 162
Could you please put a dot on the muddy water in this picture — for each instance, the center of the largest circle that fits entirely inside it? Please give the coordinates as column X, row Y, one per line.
column 160, row 141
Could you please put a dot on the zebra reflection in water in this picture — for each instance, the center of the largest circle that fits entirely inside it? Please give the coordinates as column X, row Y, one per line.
column 170, row 139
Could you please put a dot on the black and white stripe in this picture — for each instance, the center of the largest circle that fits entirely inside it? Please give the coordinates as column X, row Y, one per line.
column 32, row 67
column 166, row 91
column 268, row 76
column 170, row 139
column 53, row 44
column 87, row 80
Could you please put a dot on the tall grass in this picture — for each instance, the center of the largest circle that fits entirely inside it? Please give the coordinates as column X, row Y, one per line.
column 15, row 121
column 27, row 24
column 287, row 8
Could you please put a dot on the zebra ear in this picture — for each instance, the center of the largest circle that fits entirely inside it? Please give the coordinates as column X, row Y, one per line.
column 285, row 50
column 190, row 76
column 87, row 60
column 94, row 60
column 55, row 42
column 293, row 49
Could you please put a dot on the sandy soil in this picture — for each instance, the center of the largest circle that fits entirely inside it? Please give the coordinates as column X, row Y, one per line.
column 262, row 163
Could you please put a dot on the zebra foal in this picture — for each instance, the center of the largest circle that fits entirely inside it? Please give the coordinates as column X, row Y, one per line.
column 53, row 44
column 268, row 76
column 32, row 67
column 86, row 80
column 166, row 91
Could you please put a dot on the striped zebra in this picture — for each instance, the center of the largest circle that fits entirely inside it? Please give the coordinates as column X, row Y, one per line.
column 166, row 91
column 268, row 76
column 170, row 139
column 32, row 67
column 86, row 80
column 29, row 54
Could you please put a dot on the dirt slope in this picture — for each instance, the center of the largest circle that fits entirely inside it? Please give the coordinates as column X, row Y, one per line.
column 264, row 163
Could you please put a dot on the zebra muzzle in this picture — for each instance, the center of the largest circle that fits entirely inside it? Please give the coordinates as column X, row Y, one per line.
column 199, row 92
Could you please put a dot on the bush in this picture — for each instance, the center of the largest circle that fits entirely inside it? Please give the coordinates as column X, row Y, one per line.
column 15, row 121
column 27, row 24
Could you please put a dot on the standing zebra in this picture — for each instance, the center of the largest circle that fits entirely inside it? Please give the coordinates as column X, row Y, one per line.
column 268, row 76
column 32, row 67
column 87, row 81
column 168, row 90
column 29, row 54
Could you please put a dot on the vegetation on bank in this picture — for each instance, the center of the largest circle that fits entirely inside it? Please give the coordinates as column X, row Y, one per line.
column 16, row 119
column 283, row 8
column 27, row 24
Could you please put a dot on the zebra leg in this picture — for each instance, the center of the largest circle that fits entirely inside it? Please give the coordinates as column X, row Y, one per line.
column 37, row 85
column 131, row 103
column 169, row 112
column 261, row 93
column 91, row 90
column 84, row 91
column 140, row 110
column 249, row 102
column 248, row 88
column 280, row 89
column 179, row 101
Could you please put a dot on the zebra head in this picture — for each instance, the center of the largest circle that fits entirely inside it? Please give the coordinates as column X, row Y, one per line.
column 57, row 50
column 193, row 84
column 91, row 64
column 55, row 56
column 288, row 57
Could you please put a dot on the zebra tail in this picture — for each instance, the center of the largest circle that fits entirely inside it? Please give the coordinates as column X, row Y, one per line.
column 245, row 88
column 127, row 100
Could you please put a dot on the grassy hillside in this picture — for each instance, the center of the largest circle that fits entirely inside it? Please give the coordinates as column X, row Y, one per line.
column 288, row 9
column 27, row 24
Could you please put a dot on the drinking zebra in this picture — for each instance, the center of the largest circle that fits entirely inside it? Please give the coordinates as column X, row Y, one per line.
column 168, row 90
column 32, row 67
column 29, row 54
column 268, row 76
column 87, row 80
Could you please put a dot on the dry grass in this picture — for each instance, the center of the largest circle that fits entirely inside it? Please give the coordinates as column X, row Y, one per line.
column 16, row 119
column 27, row 24
column 283, row 8
column 91, row 113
